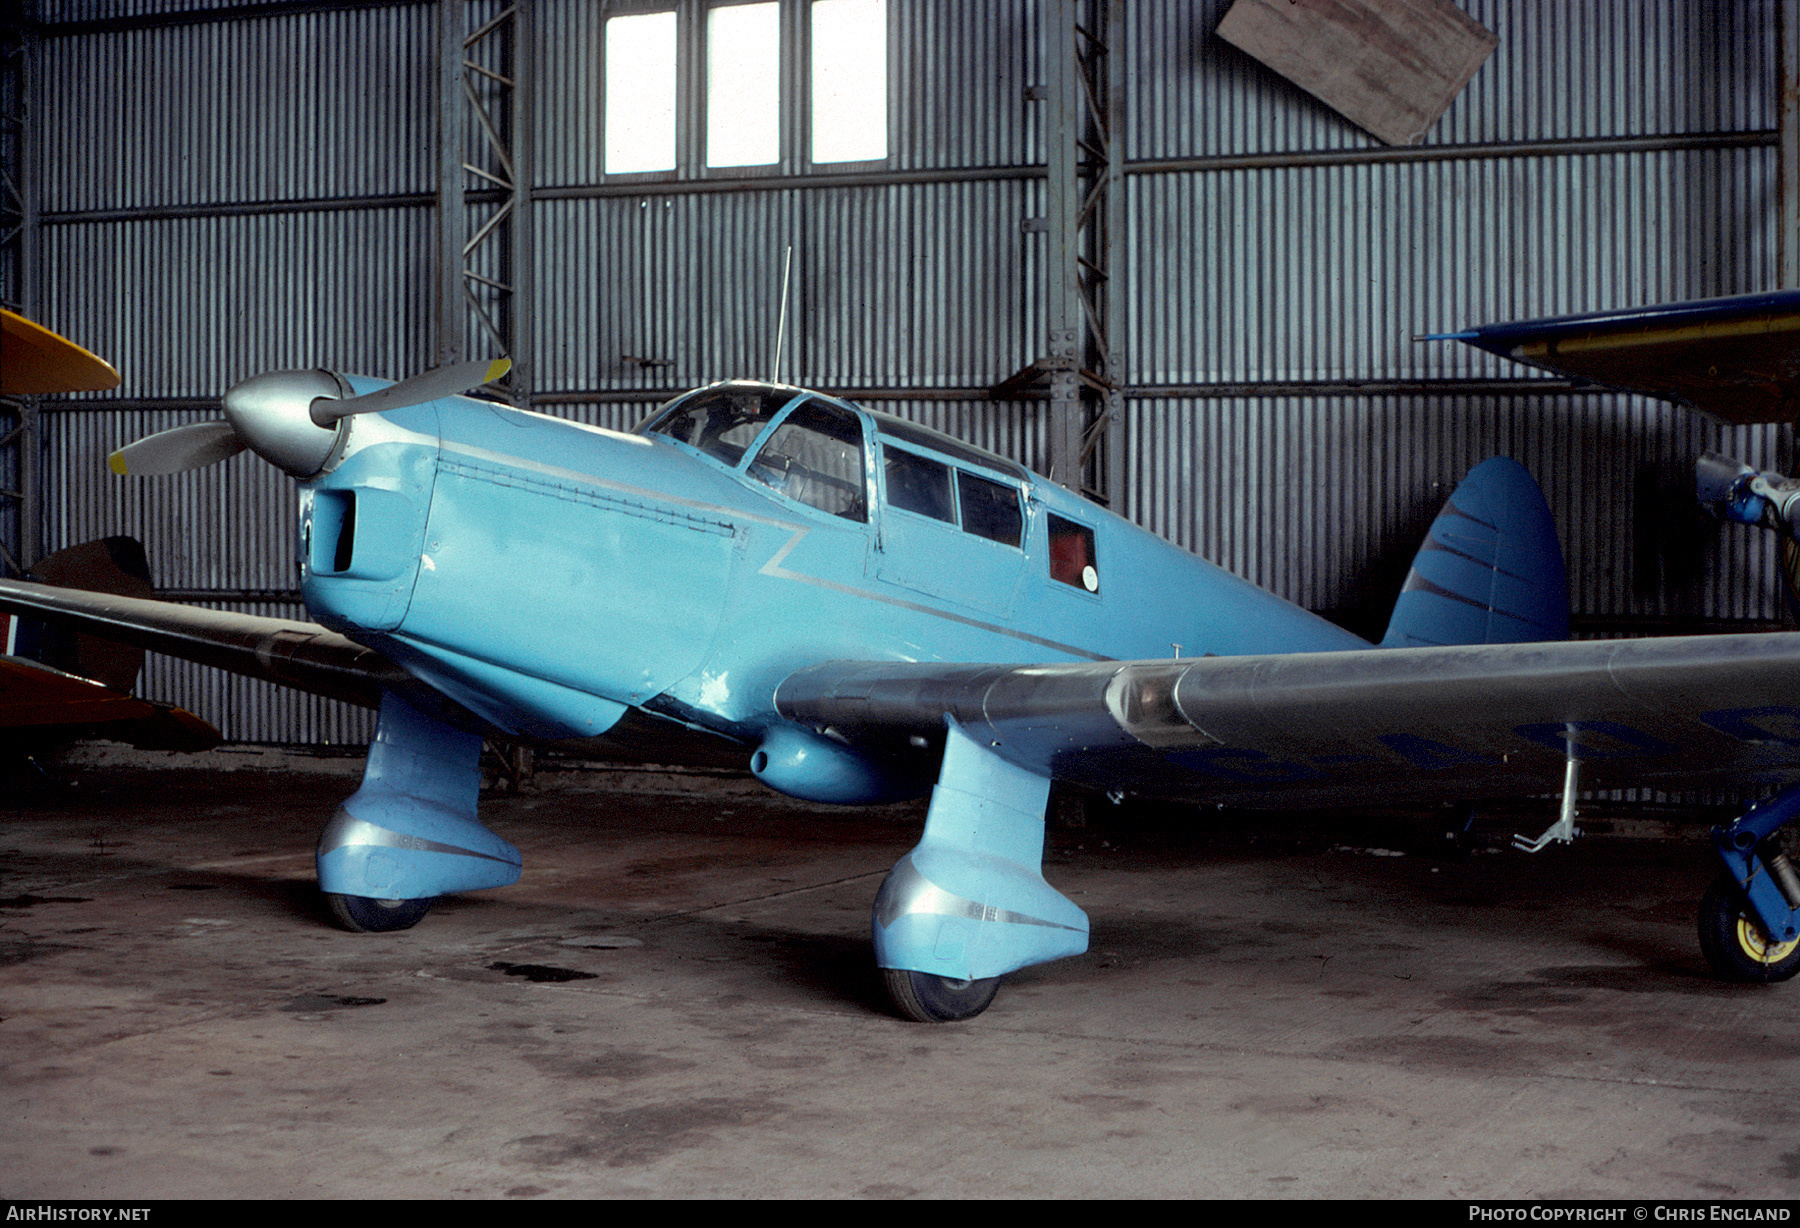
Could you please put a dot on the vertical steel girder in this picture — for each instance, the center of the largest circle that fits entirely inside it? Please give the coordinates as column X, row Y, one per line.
column 1787, row 30
column 1085, row 225
column 20, row 539
column 21, row 513
column 494, row 228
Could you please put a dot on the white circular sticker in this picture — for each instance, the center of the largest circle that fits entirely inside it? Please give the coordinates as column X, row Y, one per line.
column 1090, row 578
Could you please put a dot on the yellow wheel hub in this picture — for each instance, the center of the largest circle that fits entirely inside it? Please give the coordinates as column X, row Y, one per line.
column 1757, row 945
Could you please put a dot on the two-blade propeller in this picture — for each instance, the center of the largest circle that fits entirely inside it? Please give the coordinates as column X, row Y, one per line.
column 264, row 415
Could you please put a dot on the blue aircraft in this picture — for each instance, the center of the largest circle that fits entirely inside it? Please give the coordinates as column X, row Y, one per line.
column 861, row 609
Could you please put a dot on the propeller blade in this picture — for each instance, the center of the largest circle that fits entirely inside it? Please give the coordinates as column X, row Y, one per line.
column 177, row 450
column 426, row 386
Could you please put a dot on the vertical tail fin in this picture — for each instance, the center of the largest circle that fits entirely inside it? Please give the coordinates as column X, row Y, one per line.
column 1491, row 569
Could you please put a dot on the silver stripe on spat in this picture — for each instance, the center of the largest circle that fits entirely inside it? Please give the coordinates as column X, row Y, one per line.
column 346, row 831
column 907, row 892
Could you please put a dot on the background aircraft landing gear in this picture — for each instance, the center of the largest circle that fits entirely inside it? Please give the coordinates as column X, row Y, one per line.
column 1733, row 941
column 926, row 998
column 362, row 915
column 1750, row 916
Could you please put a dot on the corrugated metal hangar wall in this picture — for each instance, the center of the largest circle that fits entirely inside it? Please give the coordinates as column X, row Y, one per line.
column 209, row 190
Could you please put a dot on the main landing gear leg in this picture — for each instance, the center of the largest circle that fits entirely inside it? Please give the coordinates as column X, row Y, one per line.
column 969, row 903
column 1750, row 916
column 410, row 833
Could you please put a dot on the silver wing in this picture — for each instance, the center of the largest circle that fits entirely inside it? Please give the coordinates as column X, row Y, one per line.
column 1327, row 728
column 298, row 654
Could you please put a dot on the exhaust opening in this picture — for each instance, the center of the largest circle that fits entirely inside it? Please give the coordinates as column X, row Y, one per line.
column 333, row 532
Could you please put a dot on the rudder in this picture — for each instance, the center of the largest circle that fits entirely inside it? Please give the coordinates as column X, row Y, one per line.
column 1491, row 569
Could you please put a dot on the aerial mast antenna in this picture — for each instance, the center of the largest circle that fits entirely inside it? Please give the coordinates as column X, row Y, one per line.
column 787, row 262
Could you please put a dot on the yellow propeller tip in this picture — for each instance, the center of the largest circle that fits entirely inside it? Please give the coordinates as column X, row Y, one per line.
column 116, row 462
column 497, row 368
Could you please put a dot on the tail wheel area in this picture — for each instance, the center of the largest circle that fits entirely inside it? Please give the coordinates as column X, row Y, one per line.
column 925, row 998
column 1733, row 940
column 362, row 915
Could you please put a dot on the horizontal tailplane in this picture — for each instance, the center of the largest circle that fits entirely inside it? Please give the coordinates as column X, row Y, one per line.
column 1491, row 569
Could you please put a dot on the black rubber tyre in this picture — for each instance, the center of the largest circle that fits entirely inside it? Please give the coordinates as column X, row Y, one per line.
column 1733, row 940
column 362, row 915
column 925, row 998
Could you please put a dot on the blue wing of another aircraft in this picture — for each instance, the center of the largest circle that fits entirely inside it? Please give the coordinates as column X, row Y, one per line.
column 1736, row 358
column 1491, row 570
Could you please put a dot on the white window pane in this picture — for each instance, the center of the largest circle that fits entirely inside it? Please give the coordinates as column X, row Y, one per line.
column 849, row 80
column 743, row 85
column 640, row 93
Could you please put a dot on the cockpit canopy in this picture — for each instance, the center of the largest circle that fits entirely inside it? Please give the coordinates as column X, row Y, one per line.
column 721, row 421
column 814, row 455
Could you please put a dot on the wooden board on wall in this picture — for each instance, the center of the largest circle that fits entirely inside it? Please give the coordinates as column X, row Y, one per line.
column 1389, row 66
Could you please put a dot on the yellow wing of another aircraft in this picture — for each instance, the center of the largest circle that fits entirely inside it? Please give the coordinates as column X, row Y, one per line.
column 37, row 360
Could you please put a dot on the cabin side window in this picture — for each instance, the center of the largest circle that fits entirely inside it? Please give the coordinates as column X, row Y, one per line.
column 918, row 484
column 1072, row 558
column 990, row 509
column 815, row 457
column 980, row 506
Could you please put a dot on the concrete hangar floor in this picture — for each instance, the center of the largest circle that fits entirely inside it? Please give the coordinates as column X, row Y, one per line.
column 676, row 1000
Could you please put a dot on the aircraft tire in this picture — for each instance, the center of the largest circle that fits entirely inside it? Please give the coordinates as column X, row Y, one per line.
column 1734, row 943
column 362, row 915
column 926, row 998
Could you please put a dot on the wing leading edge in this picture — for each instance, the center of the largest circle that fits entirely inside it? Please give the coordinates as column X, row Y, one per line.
column 1456, row 723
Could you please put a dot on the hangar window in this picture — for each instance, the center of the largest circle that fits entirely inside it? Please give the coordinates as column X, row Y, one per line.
column 736, row 56
column 849, row 80
column 640, row 93
column 743, row 84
